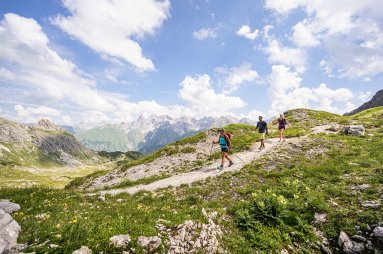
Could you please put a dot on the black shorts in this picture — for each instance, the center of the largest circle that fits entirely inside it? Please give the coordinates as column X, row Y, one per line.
column 224, row 150
column 281, row 127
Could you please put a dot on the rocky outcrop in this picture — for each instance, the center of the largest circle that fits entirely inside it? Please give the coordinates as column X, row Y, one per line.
column 150, row 244
column 9, row 228
column 45, row 138
column 348, row 246
column 120, row 241
column 47, row 125
column 354, row 130
column 376, row 101
column 83, row 250
column 193, row 236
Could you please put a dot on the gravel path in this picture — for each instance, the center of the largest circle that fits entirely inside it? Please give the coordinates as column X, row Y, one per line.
column 240, row 160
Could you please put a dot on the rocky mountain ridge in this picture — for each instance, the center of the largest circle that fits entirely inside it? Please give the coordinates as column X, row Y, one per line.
column 376, row 101
column 45, row 142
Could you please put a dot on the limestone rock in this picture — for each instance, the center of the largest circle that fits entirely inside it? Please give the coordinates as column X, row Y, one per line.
column 378, row 233
column 8, row 206
column 319, row 218
column 45, row 124
column 348, row 246
column 9, row 232
column 371, row 204
column 149, row 244
column 83, row 250
column 354, row 130
column 120, row 241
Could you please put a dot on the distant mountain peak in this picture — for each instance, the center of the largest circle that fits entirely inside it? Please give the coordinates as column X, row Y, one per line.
column 376, row 101
column 47, row 125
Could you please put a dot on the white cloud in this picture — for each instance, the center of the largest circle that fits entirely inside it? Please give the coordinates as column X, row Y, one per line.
column 199, row 94
column 253, row 115
column 280, row 54
column 35, row 65
column 109, row 27
column 205, row 33
column 350, row 33
column 246, row 32
column 286, row 93
column 364, row 96
column 236, row 76
column 303, row 35
column 5, row 74
column 30, row 114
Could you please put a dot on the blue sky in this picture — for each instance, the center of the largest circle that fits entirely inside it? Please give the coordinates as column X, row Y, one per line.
column 96, row 60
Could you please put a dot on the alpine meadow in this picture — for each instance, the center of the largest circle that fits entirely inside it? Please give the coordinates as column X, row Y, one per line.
column 201, row 126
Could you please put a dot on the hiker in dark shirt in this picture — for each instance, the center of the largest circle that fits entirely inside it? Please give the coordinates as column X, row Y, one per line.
column 262, row 129
column 282, row 124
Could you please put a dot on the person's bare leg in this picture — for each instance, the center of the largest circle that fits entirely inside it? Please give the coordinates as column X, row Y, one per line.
column 280, row 135
column 223, row 158
column 283, row 134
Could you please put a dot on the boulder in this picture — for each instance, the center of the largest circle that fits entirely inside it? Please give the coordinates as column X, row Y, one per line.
column 9, row 232
column 120, row 241
column 348, row 246
column 83, row 250
column 371, row 204
column 378, row 233
column 319, row 218
column 8, row 206
column 149, row 244
column 354, row 130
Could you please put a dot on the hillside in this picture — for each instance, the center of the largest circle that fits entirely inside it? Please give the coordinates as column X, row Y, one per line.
column 306, row 195
column 376, row 101
column 44, row 144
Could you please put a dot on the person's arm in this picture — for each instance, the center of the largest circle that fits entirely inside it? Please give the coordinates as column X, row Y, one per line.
column 267, row 130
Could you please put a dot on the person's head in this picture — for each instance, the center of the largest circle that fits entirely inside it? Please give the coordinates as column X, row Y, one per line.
column 260, row 118
column 281, row 116
column 222, row 130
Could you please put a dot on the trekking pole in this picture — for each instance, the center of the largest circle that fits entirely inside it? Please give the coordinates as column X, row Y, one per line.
column 211, row 149
column 239, row 158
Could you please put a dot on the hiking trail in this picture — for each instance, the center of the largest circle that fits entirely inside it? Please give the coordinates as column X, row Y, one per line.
column 211, row 170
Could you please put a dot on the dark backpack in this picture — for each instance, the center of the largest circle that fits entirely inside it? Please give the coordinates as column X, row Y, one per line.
column 228, row 138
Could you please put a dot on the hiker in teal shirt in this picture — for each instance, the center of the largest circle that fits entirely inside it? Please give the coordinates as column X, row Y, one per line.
column 225, row 143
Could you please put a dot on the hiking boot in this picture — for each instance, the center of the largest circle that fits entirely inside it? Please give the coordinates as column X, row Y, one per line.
column 231, row 164
column 220, row 167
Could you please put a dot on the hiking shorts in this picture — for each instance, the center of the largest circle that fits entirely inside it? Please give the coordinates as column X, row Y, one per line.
column 282, row 127
column 262, row 135
column 224, row 150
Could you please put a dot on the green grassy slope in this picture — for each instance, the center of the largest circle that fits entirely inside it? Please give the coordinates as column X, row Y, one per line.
column 267, row 206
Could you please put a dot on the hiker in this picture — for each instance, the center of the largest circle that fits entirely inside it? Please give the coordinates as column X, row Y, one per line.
column 225, row 143
column 282, row 123
column 262, row 129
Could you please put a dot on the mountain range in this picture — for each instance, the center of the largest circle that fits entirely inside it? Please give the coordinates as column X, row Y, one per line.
column 147, row 134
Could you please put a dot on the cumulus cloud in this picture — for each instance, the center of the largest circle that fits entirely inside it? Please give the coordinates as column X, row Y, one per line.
column 234, row 77
column 205, row 33
column 246, row 32
column 350, row 33
column 197, row 91
column 364, row 96
column 111, row 27
column 30, row 114
column 279, row 54
column 45, row 74
column 286, row 93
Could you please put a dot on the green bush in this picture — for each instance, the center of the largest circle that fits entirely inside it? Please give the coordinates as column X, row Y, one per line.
column 265, row 207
